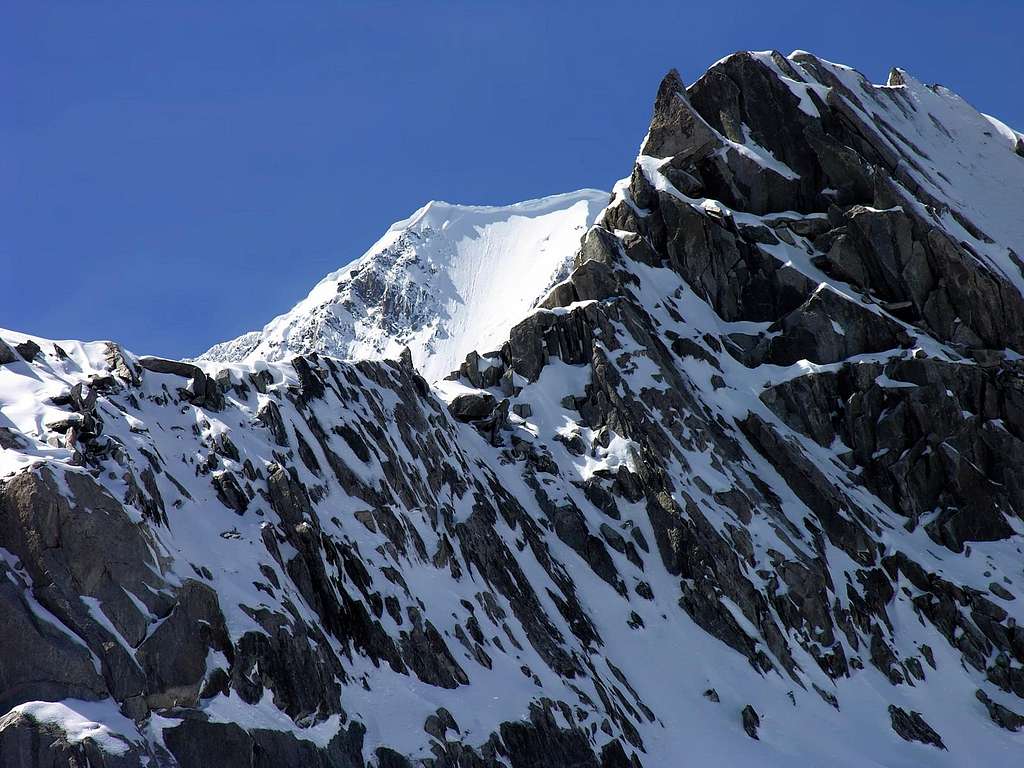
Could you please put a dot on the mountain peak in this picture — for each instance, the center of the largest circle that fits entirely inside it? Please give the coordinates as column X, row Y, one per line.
column 444, row 281
column 755, row 460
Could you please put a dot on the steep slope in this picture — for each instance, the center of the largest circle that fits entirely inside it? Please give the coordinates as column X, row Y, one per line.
column 755, row 464
column 448, row 280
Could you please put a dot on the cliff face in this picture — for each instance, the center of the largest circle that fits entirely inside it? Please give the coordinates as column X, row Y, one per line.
column 756, row 464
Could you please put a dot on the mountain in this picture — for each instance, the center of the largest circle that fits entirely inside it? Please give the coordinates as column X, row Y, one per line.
column 744, row 488
column 448, row 280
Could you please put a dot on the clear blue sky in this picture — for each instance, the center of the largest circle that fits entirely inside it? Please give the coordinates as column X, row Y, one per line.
column 175, row 173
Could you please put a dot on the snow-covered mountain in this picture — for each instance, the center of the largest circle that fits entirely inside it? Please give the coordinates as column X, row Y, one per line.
column 746, row 487
column 448, row 280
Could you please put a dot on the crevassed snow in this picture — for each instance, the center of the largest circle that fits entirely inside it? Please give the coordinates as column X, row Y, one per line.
column 448, row 280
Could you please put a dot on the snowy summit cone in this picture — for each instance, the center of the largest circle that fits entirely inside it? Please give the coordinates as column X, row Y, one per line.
column 748, row 455
column 445, row 281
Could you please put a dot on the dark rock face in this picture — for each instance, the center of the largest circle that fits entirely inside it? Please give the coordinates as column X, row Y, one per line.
column 121, row 628
column 676, row 128
column 200, row 390
column 769, row 429
column 912, row 727
column 26, row 743
column 61, row 547
column 28, row 350
column 828, row 328
column 197, row 742
column 926, row 442
column 7, row 355
column 1002, row 716
column 472, row 406
column 751, row 722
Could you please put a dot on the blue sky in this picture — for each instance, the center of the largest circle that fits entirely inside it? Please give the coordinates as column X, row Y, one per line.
column 172, row 174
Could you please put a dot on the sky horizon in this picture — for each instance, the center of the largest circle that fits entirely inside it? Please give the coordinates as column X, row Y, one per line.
column 173, row 178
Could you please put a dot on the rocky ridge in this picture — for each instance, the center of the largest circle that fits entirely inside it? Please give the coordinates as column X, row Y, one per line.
column 754, row 463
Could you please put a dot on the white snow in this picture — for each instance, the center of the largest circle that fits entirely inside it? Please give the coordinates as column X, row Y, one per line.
column 451, row 279
column 448, row 280
column 79, row 720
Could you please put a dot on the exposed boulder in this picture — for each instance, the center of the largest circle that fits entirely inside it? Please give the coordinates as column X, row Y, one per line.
column 198, row 742
column 269, row 415
column 1002, row 716
column 28, row 349
column 751, row 721
column 912, row 727
column 472, row 406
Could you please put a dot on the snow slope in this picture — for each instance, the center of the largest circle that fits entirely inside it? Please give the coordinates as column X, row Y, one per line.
column 448, row 280
column 747, row 464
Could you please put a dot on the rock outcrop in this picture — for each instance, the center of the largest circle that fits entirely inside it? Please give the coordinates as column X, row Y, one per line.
column 755, row 462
